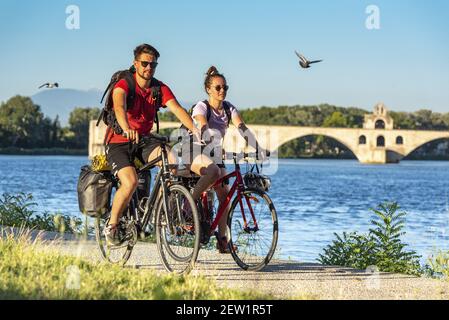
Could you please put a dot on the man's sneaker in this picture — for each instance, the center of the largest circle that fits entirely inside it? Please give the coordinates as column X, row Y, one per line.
column 112, row 235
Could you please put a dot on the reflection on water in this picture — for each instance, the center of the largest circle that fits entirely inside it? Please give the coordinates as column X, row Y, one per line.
column 314, row 198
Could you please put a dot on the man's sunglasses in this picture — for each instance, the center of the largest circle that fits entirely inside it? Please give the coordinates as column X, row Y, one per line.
column 146, row 63
column 218, row 88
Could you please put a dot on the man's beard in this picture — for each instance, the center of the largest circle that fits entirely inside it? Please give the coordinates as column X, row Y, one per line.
column 142, row 75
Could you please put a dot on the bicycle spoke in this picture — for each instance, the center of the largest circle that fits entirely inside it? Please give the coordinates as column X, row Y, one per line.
column 178, row 239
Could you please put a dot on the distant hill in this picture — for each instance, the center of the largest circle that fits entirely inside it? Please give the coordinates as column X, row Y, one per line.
column 62, row 101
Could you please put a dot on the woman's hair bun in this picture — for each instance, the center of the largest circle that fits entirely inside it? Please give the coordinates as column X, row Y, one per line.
column 212, row 71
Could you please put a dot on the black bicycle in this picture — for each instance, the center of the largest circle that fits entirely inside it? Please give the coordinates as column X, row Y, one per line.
column 160, row 212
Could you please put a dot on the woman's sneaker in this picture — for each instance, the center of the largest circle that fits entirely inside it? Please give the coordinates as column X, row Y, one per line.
column 223, row 245
column 111, row 234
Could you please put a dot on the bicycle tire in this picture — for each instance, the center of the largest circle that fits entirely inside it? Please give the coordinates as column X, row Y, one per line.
column 115, row 254
column 171, row 243
column 243, row 244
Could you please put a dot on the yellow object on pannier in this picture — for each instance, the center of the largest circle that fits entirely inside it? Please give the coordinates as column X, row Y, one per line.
column 99, row 163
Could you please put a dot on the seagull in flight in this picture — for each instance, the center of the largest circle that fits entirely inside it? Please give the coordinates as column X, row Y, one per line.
column 49, row 85
column 303, row 62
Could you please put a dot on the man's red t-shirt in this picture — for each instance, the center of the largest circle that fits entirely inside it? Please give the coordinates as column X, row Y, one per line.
column 141, row 115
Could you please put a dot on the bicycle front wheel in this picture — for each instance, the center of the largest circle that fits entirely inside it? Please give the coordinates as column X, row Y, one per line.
column 253, row 227
column 117, row 254
column 178, row 231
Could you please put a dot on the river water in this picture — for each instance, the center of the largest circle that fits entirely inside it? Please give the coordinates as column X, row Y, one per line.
column 314, row 198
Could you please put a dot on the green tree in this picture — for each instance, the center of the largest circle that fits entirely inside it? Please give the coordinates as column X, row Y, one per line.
column 423, row 119
column 21, row 122
column 79, row 120
column 336, row 120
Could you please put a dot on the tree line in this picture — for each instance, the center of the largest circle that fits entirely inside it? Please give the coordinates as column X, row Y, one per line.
column 326, row 115
column 23, row 125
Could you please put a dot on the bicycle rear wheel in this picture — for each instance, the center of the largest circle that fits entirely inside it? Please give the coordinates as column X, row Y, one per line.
column 253, row 247
column 178, row 233
column 116, row 254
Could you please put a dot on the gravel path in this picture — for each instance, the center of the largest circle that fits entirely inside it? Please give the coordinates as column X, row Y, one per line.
column 284, row 279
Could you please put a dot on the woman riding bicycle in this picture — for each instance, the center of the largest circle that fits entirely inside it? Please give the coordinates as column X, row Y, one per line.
column 213, row 115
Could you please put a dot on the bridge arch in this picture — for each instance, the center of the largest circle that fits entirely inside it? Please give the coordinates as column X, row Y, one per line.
column 309, row 134
column 414, row 148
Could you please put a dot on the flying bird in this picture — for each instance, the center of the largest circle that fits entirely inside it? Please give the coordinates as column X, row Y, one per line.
column 49, row 85
column 303, row 62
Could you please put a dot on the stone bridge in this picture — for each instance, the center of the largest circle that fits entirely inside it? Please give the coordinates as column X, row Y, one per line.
column 376, row 142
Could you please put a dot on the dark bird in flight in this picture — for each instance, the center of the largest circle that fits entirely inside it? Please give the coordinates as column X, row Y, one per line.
column 303, row 62
column 49, row 85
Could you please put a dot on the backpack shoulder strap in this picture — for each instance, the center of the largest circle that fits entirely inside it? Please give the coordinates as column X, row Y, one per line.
column 227, row 109
column 209, row 112
column 156, row 94
column 128, row 75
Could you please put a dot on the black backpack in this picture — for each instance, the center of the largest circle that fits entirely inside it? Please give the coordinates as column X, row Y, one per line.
column 226, row 108
column 107, row 113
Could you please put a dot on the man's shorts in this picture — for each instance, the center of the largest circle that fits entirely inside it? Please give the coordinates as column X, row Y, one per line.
column 119, row 154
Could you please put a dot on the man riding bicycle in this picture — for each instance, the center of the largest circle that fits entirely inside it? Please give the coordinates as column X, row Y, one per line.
column 136, row 122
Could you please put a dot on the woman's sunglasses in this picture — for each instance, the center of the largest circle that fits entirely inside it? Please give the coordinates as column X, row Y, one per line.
column 218, row 88
column 146, row 63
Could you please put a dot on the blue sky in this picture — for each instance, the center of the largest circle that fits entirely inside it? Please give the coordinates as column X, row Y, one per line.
column 404, row 64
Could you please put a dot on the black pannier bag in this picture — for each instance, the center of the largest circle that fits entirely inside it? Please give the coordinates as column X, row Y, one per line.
column 94, row 191
column 257, row 181
column 144, row 181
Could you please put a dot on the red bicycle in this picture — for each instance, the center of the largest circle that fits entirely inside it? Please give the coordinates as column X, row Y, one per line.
column 252, row 220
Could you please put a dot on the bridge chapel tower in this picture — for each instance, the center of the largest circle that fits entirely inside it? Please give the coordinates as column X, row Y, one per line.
column 379, row 119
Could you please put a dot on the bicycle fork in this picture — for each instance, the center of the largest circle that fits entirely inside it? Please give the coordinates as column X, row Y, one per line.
column 246, row 227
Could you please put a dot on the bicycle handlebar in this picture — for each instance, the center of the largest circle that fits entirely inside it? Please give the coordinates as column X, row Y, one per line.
column 253, row 155
column 158, row 137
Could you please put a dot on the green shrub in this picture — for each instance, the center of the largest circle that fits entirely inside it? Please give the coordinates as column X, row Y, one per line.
column 381, row 246
column 17, row 211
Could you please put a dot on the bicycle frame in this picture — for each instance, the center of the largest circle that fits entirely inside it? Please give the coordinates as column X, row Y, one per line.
column 239, row 187
column 161, row 182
